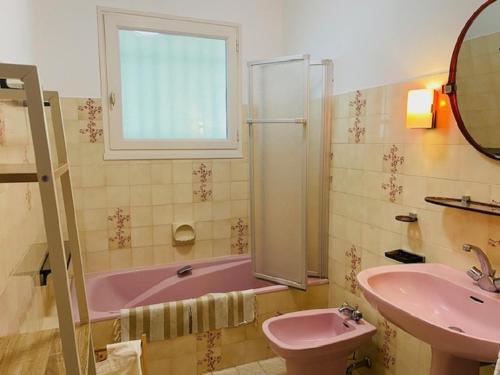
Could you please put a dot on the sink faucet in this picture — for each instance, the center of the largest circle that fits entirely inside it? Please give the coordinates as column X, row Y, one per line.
column 351, row 312
column 485, row 277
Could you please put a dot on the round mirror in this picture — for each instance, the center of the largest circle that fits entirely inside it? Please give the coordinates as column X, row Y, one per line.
column 474, row 83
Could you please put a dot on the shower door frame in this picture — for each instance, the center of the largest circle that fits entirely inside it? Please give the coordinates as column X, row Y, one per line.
column 299, row 121
column 324, row 196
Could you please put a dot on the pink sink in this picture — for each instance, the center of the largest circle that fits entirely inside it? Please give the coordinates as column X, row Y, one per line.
column 316, row 341
column 441, row 306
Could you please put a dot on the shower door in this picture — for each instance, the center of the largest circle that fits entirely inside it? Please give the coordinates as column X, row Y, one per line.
column 278, row 117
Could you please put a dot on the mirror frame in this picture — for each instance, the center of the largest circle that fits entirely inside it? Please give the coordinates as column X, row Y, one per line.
column 451, row 89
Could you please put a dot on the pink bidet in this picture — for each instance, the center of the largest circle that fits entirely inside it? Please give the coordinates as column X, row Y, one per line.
column 316, row 341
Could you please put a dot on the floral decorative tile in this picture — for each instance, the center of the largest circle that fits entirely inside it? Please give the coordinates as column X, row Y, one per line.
column 202, row 182
column 91, row 112
column 352, row 268
column 210, row 357
column 387, row 348
column 392, row 162
column 239, row 236
column 357, row 130
column 119, row 229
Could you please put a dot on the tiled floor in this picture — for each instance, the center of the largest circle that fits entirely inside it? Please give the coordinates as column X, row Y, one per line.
column 272, row 366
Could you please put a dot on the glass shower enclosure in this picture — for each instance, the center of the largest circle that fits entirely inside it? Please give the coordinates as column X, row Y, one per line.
column 290, row 121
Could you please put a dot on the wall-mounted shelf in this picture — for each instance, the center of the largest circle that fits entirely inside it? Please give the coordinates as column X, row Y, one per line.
column 410, row 218
column 465, row 203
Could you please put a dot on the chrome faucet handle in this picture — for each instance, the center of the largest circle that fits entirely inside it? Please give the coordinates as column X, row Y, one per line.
column 474, row 273
column 351, row 312
column 486, row 267
column 357, row 315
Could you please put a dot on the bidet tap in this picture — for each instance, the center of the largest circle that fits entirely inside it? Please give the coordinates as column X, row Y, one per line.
column 485, row 277
column 351, row 312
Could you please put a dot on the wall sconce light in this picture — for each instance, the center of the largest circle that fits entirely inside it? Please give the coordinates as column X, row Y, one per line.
column 422, row 108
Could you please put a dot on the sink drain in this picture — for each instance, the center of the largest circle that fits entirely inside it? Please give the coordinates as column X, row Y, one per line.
column 456, row 329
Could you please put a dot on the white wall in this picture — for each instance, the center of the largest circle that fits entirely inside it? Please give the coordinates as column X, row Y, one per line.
column 376, row 42
column 371, row 42
column 16, row 44
column 66, row 34
column 487, row 23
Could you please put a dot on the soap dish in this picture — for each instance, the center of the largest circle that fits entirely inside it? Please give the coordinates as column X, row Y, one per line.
column 183, row 234
column 404, row 256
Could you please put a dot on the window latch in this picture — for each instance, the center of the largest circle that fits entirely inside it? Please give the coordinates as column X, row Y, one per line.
column 112, row 100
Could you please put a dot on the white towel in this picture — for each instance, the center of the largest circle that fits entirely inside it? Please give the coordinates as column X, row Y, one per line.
column 124, row 358
column 497, row 367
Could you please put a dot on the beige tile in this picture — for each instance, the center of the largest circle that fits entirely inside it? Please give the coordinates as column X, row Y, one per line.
column 239, row 171
column 161, row 174
column 228, row 371
column 117, row 175
column 117, row 196
column 183, row 193
column 162, row 194
column 97, row 261
column 96, row 240
column 141, row 216
column 142, row 256
column 142, row 236
column 163, row 214
column 273, row 366
column 121, row 258
column 140, row 173
column 183, row 212
column 202, row 211
column 94, row 197
column 221, row 210
column 182, row 172
column 239, row 190
column 250, row 369
column 92, row 176
column 95, row 219
column 221, row 170
column 162, row 235
column 140, row 195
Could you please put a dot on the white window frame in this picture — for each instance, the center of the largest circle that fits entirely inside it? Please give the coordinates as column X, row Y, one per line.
column 110, row 21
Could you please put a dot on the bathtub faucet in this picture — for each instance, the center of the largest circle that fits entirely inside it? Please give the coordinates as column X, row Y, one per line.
column 183, row 271
column 351, row 312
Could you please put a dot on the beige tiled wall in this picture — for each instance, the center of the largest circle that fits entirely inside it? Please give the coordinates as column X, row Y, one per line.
column 126, row 208
column 381, row 169
column 478, row 83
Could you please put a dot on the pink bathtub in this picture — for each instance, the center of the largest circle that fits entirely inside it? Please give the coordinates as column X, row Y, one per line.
column 108, row 292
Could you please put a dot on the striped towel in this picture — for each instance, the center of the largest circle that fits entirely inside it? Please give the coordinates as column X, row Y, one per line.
column 222, row 310
column 173, row 319
column 159, row 322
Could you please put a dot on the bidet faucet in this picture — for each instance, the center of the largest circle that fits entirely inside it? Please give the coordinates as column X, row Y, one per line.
column 351, row 312
column 485, row 277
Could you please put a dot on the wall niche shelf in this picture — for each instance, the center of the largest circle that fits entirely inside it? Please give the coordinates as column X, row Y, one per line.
column 465, row 203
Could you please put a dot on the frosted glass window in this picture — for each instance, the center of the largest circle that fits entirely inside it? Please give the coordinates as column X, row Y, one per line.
column 172, row 86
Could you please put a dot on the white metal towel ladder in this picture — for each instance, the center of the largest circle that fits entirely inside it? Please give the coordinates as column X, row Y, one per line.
column 78, row 352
